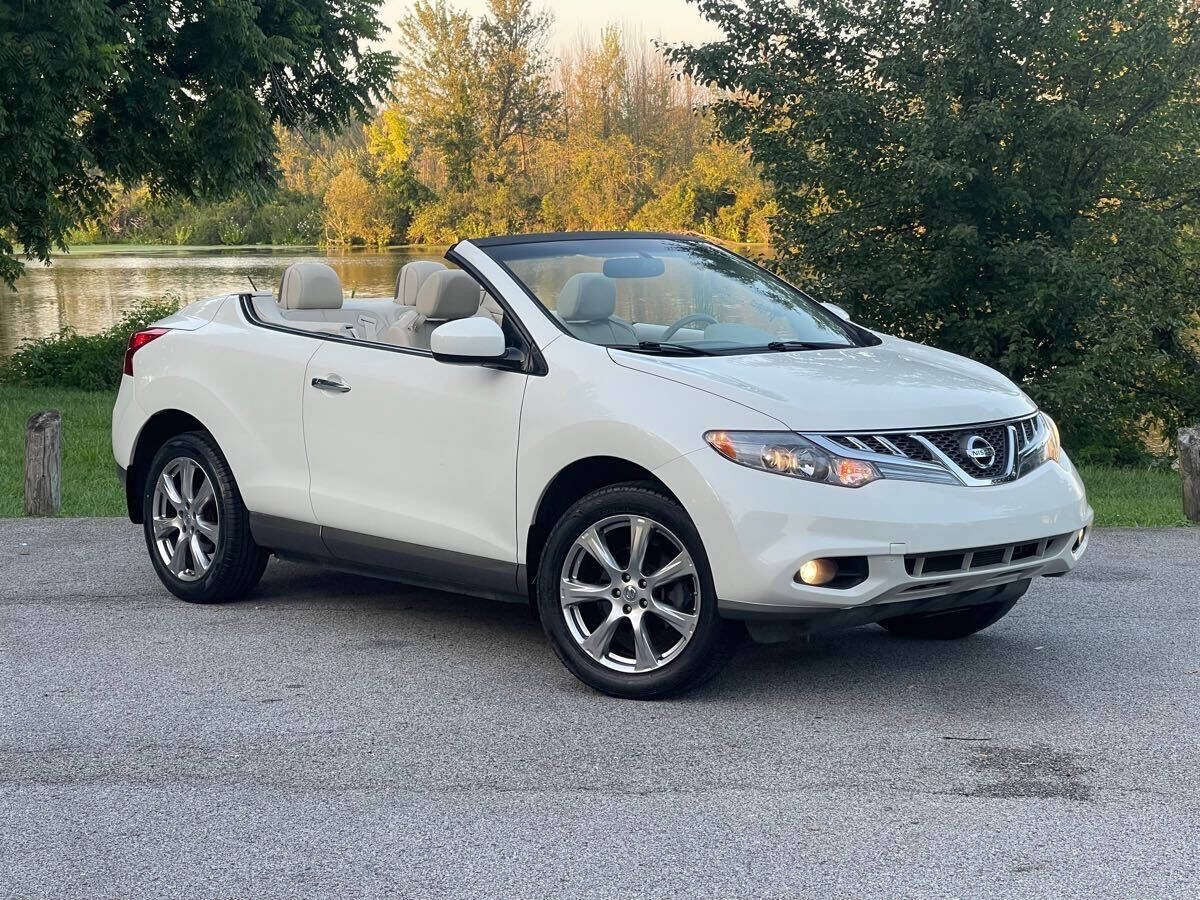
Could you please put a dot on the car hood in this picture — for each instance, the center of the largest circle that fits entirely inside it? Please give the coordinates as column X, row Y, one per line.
column 897, row 384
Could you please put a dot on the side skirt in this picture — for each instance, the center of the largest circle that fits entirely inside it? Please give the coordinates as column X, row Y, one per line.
column 376, row 557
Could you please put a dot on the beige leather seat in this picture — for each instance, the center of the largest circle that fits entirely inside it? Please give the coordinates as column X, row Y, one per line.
column 268, row 311
column 410, row 278
column 445, row 295
column 587, row 303
column 311, row 292
column 412, row 275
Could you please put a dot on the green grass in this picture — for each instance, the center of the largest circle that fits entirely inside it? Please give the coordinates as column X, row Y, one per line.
column 1145, row 498
column 90, row 486
column 1136, row 497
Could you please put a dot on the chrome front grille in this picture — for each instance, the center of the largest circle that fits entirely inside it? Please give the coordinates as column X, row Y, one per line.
column 990, row 453
column 954, row 445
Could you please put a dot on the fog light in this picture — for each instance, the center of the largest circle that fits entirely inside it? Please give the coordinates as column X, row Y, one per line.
column 1079, row 538
column 817, row 572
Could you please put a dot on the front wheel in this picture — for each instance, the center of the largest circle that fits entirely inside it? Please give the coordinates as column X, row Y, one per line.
column 197, row 528
column 626, row 595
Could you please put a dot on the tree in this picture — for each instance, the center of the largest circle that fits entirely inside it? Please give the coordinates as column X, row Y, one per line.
column 437, row 85
column 518, row 101
column 593, row 184
column 354, row 209
column 389, row 158
column 182, row 95
column 719, row 194
column 1016, row 180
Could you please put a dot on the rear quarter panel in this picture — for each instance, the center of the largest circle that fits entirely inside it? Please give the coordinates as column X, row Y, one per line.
column 243, row 383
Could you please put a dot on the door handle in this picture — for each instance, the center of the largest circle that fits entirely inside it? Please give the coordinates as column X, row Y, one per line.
column 331, row 384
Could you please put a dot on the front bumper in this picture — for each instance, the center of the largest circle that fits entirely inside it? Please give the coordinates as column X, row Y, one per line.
column 759, row 528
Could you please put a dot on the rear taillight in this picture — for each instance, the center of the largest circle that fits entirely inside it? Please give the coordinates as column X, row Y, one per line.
column 137, row 341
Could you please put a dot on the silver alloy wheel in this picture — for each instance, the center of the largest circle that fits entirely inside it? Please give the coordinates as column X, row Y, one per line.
column 635, row 616
column 186, row 519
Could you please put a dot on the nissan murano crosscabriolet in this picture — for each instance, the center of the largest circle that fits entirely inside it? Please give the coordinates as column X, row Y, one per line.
column 650, row 439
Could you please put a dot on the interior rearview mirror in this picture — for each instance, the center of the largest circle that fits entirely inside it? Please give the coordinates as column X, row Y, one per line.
column 476, row 339
column 633, row 267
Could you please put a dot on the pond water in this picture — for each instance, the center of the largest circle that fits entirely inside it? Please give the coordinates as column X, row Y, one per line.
column 88, row 289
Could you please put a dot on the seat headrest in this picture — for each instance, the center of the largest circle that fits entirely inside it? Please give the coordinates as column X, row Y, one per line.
column 448, row 294
column 310, row 285
column 587, row 297
column 410, row 278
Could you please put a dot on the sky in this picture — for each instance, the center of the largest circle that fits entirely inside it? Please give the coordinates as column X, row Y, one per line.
column 671, row 20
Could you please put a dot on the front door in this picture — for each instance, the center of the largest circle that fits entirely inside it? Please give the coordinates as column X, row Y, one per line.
column 414, row 466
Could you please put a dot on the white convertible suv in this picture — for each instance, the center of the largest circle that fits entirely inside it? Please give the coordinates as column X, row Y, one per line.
column 644, row 435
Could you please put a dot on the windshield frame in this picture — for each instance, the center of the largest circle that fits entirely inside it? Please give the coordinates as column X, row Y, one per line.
column 855, row 334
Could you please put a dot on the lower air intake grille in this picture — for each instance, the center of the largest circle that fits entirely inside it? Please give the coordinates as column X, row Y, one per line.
column 976, row 558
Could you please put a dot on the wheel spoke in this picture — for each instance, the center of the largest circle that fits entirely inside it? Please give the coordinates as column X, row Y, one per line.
column 593, row 542
column 165, row 525
column 575, row 592
column 680, row 567
column 646, row 657
column 640, row 531
column 167, row 483
column 203, row 496
column 200, row 559
column 187, row 478
column 208, row 529
column 178, row 563
column 598, row 641
column 684, row 623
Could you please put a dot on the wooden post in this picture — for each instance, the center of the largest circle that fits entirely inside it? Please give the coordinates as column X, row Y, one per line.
column 1189, row 468
column 43, row 463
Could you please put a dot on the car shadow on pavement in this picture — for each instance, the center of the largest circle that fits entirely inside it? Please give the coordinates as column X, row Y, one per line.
column 1012, row 662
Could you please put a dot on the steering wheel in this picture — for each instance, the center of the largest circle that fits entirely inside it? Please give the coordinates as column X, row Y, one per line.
column 687, row 320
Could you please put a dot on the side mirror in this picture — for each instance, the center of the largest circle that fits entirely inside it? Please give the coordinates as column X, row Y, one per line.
column 474, row 340
column 837, row 311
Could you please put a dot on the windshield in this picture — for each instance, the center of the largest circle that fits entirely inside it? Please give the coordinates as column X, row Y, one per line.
column 640, row 293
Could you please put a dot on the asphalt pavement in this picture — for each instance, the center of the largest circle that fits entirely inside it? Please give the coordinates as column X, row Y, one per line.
column 335, row 735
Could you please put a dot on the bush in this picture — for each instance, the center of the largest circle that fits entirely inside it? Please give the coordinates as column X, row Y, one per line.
column 86, row 362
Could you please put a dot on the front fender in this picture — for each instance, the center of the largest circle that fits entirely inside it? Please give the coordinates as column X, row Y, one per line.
column 588, row 406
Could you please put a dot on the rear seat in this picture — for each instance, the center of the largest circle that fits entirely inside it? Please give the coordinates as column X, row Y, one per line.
column 311, row 299
column 268, row 310
column 311, row 293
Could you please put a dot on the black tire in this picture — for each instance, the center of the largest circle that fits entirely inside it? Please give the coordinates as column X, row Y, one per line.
column 953, row 624
column 238, row 562
column 711, row 640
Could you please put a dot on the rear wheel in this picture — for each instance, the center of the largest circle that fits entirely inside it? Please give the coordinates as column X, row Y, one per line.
column 952, row 624
column 197, row 528
column 626, row 595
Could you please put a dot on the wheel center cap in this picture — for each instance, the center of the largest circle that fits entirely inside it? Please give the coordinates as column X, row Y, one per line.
column 630, row 592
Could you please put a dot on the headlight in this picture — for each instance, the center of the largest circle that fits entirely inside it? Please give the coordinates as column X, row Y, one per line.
column 1045, row 446
column 1053, row 441
column 789, row 454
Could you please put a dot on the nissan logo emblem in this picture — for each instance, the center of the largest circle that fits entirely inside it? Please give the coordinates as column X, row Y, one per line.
column 980, row 452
